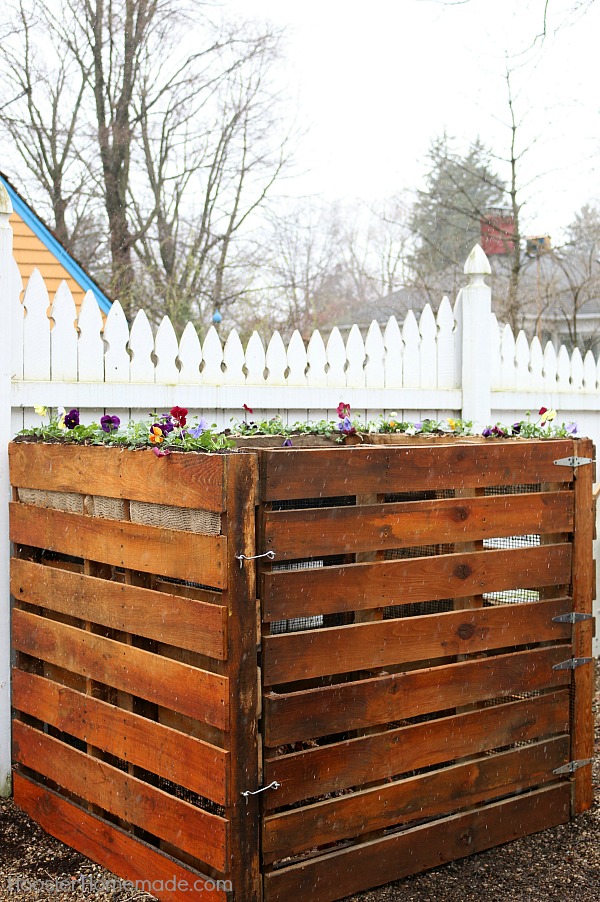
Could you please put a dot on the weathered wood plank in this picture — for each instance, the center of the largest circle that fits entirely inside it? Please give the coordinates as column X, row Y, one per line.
column 329, row 472
column 331, row 590
column 169, row 618
column 243, row 812
column 440, row 792
column 191, row 763
column 111, row 847
column 184, row 480
column 312, row 653
column 380, row 861
column 189, row 690
column 582, row 735
column 167, row 552
column 342, row 530
column 327, row 710
column 380, row 756
column 191, row 829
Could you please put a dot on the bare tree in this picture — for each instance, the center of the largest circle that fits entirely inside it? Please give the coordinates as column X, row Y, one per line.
column 154, row 134
column 230, row 166
column 41, row 117
column 576, row 302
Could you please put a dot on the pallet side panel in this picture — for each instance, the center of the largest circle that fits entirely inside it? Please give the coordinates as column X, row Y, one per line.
column 412, row 655
column 133, row 639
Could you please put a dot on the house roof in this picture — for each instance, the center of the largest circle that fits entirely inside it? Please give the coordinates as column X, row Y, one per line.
column 36, row 247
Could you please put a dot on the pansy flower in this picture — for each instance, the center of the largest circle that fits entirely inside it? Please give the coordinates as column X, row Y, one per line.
column 166, row 423
column 345, row 426
column 179, row 414
column 547, row 415
column 343, row 410
column 156, row 435
column 109, row 424
column 197, row 431
column 71, row 419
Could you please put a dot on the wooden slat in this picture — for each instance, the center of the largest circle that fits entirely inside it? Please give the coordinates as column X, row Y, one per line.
column 332, row 590
column 111, row 847
column 167, row 552
column 243, row 812
column 440, row 792
column 184, row 480
column 169, row 618
column 191, row 763
column 191, row 829
column 332, row 472
column 180, row 687
column 582, row 734
column 296, row 716
column 342, row 530
column 380, row 756
column 311, row 653
column 380, row 861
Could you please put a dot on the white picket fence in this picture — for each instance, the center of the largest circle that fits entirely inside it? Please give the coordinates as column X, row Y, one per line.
column 456, row 362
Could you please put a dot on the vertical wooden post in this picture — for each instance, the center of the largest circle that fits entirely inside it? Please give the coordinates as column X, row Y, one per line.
column 242, row 811
column 476, row 308
column 582, row 725
column 6, row 286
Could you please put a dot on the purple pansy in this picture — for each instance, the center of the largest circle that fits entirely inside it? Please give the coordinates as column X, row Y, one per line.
column 345, row 426
column 197, row 431
column 72, row 418
column 109, row 423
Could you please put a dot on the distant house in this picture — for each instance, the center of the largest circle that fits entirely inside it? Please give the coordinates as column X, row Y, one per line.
column 35, row 247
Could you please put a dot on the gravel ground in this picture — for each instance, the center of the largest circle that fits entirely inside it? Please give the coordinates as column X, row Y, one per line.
column 558, row 864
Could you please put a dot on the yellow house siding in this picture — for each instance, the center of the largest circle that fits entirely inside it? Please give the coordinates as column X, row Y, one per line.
column 31, row 253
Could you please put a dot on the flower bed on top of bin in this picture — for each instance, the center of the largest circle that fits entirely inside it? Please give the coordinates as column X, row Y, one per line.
column 171, row 431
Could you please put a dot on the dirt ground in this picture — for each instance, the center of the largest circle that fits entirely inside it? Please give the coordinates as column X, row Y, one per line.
column 559, row 864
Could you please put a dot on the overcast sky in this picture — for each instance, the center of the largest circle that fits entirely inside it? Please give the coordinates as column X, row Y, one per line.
column 373, row 81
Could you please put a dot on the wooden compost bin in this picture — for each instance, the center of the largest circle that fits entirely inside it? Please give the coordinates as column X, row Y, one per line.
column 405, row 697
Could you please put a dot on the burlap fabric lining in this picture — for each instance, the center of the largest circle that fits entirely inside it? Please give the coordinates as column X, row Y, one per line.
column 202, row 522
column 166, row 516
column 59, row 501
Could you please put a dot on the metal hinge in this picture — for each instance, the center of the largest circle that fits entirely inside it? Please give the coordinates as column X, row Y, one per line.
column 573, row 461
column 572, row 663
column 573, row 617
column 572, row 766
